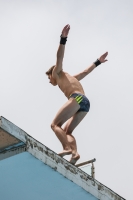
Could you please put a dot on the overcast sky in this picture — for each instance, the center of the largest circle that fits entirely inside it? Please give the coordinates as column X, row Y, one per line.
column 29, row 37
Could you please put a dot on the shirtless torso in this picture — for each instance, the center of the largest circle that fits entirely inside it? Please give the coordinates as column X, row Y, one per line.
column 69, row 84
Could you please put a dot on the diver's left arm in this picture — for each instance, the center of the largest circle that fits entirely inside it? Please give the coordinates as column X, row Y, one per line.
column 100, row 60
column 60, row 52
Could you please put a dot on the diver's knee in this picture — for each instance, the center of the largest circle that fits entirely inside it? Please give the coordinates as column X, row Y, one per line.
column 53, row 126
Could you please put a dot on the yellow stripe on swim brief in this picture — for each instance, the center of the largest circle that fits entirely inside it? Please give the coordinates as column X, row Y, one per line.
column 79, row 99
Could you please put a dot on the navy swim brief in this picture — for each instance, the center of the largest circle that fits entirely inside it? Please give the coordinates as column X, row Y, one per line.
column 82, row 101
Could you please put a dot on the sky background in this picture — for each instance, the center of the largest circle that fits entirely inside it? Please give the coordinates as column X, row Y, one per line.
column 29, row 38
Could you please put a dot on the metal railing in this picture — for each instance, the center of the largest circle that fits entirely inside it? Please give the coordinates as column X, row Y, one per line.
column 86, row 163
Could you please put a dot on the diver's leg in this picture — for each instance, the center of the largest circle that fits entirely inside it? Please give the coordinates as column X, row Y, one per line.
column 66, row 112
column 69, row 127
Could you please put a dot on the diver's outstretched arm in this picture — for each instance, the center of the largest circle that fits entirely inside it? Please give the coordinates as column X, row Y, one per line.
column 100, row 60
column 61, row 49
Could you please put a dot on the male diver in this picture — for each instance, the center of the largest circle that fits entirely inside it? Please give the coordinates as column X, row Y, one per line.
column 77, row 106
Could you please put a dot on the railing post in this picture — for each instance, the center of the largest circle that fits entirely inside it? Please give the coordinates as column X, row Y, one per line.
column 93, row 171
column 92, row 167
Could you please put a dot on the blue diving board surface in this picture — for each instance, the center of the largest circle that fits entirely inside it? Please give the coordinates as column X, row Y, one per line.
column 25, row 177
column 30, row 170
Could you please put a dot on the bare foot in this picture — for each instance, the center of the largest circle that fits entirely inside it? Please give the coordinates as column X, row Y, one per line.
column 74, row 159
column 65, row 152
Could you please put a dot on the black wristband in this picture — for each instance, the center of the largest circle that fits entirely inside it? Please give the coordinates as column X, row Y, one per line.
column 97, row 62
column 63, row 40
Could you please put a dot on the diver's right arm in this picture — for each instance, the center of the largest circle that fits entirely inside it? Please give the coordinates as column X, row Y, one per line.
column 84, row 73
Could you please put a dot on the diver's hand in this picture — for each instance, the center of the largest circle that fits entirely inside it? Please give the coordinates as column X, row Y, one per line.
column 102, row 58
column 65, row 31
